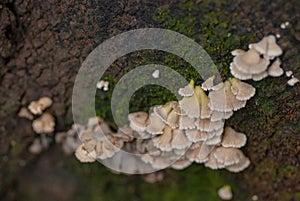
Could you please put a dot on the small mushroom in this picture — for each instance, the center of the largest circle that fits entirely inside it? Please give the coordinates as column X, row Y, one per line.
column 260, row 76
column 223, row 100
column 227, row 156
column 225, row 193
column 239, row 74
column 163, row 111
column 196, row 135
column 83, row 156
column 237, row 52
column 155, row 74
column 243, row 163
column 181, row 164
column 186, row 123
column 234, row 139
column 214, row 140
column 268, row 47
column 37, row 107
column 242, row 91
column 24, row 113
column 164, row 141
column 173, row 119
column 208, row 84
column 138, row 121
column 289, row 73
column 44, row 124
column 208, row 126
column 217, row 116
column 187, row 90
column 293, row 81
column 180, row 141
column 156, row 125
column 199, row 154
column 250, row 62
column 275, row 70
column 213, row 163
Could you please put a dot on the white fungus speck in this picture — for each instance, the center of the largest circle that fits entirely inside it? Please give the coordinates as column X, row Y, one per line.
column 254, row 197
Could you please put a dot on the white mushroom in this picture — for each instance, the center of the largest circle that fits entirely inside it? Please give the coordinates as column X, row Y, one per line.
column 268, row 47
column 228, row 156
column 44, row 124
column 181, row 164
column 24, row 113
column 155, row 74
column 242, row 91
column 187, row 90
column 293, row 81
column 196, row 135
column 163, row 142
column 138, row 121
column 275, row 70
column 156, row 125
column 240, row 166
column 234, row 139
column 225, row 193
column 208, row 84
column 37, row 107
column 83, row 156
column 180, row 141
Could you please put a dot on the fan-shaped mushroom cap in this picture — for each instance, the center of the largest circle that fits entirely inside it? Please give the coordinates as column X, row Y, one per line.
column 163, row 111
column 239, row 74
column 224, row 100
column 214, row 140
column 164, row 141
column 196, row 135
column 217, row 116
column 89, row 146
column 275, row 70
column 187, row 90
column 293, row 81
column 234, row 139
column 213, row 163
column 173, row 119
column 196, row 105
column 242, row 91
column 240, row 166
column 156, row 125
column 260, row 76
column 24, row 113
column 250, row 62
column 138, row 121
column 228, row 156
column 176, row 107
column 44, row 124
column 207, row 125
column 225, row 193
column 161, row 163
column 83, row 156
column 180, row 141
column 268, row 47
column 237, row 52
column 186, row 123
column 208, row 84
column 199, row 154
column 37, row 107
column 181, row 164
column 105, row 149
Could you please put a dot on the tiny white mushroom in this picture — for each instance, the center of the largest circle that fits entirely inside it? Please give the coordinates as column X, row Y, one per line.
column 44, row 124
column 242, row 91
column 228, row 156
column 24, row 113
column 208, row 84
column 289, row 73
column 187, row 90
column 225, row 193
column 231, row 138
column 293, row 81
column 243, row 163
column 275, row 70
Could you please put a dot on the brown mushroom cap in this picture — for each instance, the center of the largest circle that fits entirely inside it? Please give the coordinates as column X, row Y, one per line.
column 173, row 119
column 250, row 62
column 155, row 125
column 163, row 141
column 234, row 139
column 138, row 121
column 242, row 91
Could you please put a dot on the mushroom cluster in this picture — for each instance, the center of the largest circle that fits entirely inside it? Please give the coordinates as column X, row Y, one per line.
column 260, row 61
column 43, row 125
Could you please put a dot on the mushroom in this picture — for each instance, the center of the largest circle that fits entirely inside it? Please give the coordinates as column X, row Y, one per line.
column 24, row 113
column 260, row 76
column 225, row 193
column 239, row 74
column 187, row 90
column 163, row 142
column 234, row 139
column 274, row 70
column 180, row 141
column 293, row 81
column 156, row 125
column 84, row 156
column 163, row 111
column 199, row 154
column 223, row 100
column 44, row 124
column 243, row 163
column 237, row 52
column 36, row 147
column 173, row 119
column 138, row 121
column 186, row 123
column 155, row 74
column 227, row 156
column 268, row 47
column 208, row 84
column 215, row 140
column 241, row 90
column 213, row 163
column 196, row 135
column 37, row 107
column 181, row 164
column 250, row 62
column 217, row 116
column 196, row 106
column 289, row 73
column 208, row 126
